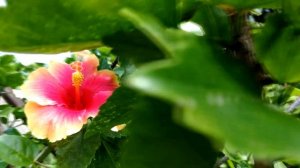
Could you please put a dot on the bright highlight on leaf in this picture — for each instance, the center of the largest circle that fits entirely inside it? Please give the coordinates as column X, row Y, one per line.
column 118, row 128
column 62, row 97
column 192, row 27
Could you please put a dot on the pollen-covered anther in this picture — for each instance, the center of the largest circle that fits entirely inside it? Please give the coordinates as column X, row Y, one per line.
column 77, row 78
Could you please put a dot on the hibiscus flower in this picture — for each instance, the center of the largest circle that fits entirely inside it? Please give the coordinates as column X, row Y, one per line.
column 63, row 96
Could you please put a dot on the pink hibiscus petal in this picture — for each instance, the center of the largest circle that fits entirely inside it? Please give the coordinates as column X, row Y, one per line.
column 97, row 89
column 89, row 62
column 104, row 80
column 53, row 122
column 92, row 107
column 42, row 88
column 62, row 72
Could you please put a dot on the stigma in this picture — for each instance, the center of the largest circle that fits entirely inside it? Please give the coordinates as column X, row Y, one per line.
column 77, row 79
column 77, row 76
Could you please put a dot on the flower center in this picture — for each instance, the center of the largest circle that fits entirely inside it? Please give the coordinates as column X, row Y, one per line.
column 77, row 79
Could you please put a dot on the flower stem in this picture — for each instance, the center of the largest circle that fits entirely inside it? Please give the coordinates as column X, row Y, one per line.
column 43, row 154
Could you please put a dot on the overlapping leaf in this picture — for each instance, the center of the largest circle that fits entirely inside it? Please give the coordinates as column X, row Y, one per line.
column 215, row 93
column 17, row 150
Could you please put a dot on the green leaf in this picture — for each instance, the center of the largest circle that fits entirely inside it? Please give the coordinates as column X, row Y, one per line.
column 7, row 59
column 3, row 164
column 217, row 27
column 5, row 110
column 117, row 110
column 277, row 48
column 108, row 154
column 12, row 131
column 156, row 141
column 114, row 112
column 291, row 10
column 215, row 93
column 14, row 79
column 78, row 152
column 279, row 164
column 133, row 47
column 17, row 150
column 55, row 26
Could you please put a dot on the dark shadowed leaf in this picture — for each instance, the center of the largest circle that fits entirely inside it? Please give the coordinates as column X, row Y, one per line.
column 278, row 49
column 117, row 110
column 114, row 112
column 78, row 152
column 108, row 155
column 133, row 47
column 155, row 141
column 3, row 164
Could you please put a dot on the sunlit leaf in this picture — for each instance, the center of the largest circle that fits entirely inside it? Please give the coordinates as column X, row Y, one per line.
column 17, row 150
column 5, row 110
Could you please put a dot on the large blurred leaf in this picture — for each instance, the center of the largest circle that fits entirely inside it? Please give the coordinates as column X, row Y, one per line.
column 278, row 49
column 62, row 25
column 217, row 27
column 291, row 10
column 133, row 47
column 17, row 150
column 155, row 141
column 214, row 92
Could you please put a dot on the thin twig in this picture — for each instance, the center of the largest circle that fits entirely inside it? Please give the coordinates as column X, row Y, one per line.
column 43, row 154
column 11, row 98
